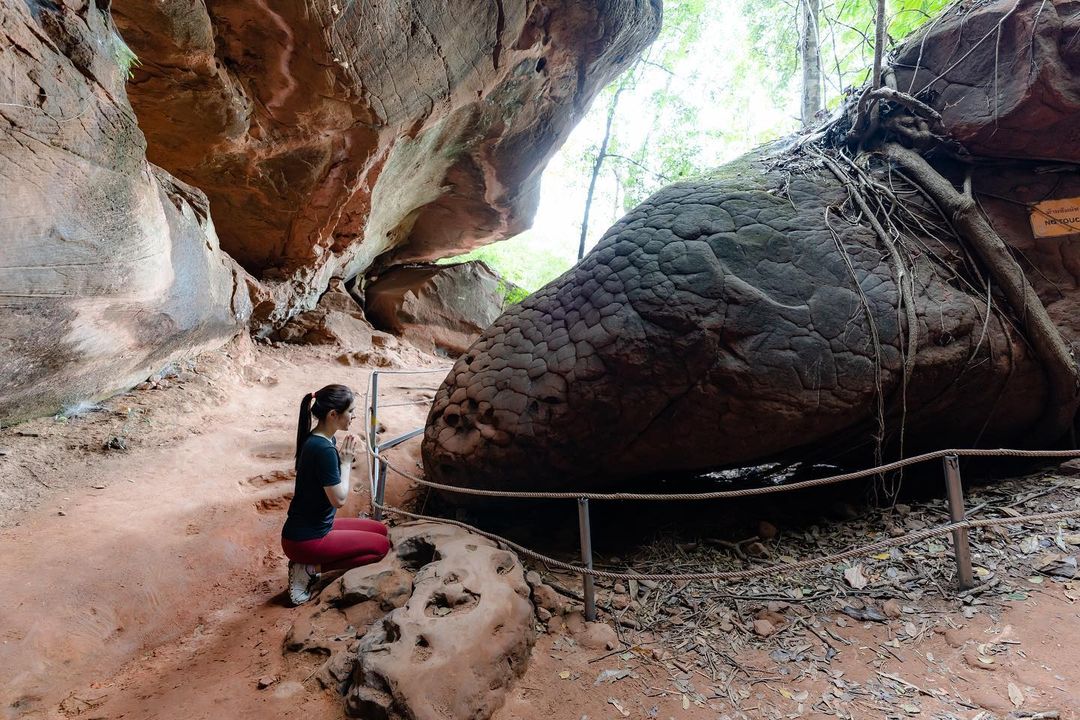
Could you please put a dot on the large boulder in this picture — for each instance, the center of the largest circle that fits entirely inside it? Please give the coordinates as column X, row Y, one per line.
column 1002, row 75
column 438, row 629
column 743, row 316
column 336, row 320
column 329, row 134
column 452, row 650
column 438, row 308
column 110, row 266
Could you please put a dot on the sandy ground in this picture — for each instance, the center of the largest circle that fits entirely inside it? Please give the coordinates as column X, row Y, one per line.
column 145, row 581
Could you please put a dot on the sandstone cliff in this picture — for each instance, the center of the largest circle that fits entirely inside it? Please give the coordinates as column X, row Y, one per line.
column 316, row 139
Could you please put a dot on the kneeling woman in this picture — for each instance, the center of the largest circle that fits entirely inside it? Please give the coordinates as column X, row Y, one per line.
column 312, row 538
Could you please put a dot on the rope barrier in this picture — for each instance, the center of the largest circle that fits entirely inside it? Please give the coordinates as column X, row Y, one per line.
column 734, row 575
column 446, row 369
column 746, row 492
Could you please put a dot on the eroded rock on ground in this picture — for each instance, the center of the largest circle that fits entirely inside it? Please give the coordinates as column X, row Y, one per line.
column 438, row 308
column 328, row 134
column 454, row 648
column 747, row 315
column 336, row 320
column 438, row 629
column 111, row 267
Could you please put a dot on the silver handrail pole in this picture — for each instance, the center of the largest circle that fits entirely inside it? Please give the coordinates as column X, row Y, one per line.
column 961, row 547
column 586, row 558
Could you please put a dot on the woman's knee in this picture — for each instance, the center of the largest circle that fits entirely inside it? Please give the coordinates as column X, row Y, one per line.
column 381, row 545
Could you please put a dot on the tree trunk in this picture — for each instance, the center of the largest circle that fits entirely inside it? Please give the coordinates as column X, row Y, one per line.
column 810, row 59
column 1063, row 391
column 597, row 165
column 879, row 44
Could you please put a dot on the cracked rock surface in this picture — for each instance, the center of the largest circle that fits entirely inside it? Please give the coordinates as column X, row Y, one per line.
column 731, row 319
column 438, row 629
column 109, row 266
column 718, row 324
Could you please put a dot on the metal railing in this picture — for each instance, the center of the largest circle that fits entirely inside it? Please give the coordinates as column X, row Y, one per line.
column 957, row 526
column 376, row 465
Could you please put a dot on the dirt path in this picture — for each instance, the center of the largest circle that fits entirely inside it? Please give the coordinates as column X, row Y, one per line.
column 148, row 583
column 155, row 573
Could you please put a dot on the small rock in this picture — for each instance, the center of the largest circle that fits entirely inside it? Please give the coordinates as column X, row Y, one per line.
column 599, row 636
column 954, row 639
column 544, row 596
column 620, row 602
column 979, row 662
column 767, row 531
column 764, row 628
column 892, row 610
column 533, row 578
column 267, row 681
column 1070, row 468
column 543, row 614
column 758, row 550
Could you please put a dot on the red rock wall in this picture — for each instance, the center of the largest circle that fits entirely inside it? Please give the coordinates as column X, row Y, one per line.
column 1004, row 76
column 327, row 136
column 109, row 267
column 333, row 136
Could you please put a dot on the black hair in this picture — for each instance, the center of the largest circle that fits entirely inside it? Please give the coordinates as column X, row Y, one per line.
column 319, row 404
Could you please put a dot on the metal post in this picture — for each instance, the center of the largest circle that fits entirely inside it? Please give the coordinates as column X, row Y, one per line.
column 586, row 558
column 373, row 423
column 957, row 514
column 380, row 491
column 373, row 441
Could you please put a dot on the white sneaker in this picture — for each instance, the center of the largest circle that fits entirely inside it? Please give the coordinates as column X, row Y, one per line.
column 301, row 579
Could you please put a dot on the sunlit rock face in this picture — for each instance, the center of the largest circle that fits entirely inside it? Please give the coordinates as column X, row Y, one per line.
column 332, row 135
column 109, row 266
column 438, row 308
column 728, row 320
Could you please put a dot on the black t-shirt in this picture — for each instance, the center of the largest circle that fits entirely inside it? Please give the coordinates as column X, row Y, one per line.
column 310, row 513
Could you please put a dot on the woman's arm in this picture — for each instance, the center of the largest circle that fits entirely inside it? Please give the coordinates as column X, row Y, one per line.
column 338, row 494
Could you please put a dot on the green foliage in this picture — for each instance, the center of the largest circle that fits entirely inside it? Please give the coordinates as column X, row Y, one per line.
column 518, row 261
column 846, row 33
column 512, row 294
column 910, row 15
column 774, row 38
column 124, row 56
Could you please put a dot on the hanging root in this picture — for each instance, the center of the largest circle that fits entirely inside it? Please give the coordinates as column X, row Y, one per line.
column 963, row 213
column 903, row 273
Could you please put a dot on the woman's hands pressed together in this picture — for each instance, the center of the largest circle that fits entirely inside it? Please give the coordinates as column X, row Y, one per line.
column 347, row 449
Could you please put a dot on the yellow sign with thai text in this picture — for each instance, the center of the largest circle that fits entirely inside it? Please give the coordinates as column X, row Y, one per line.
column 1052, row 218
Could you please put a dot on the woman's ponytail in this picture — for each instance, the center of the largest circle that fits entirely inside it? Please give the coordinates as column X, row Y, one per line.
column 331, row 397
column 303, row 426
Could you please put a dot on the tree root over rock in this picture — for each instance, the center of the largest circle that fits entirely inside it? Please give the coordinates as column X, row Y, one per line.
column 970, row 224
column 901, row 128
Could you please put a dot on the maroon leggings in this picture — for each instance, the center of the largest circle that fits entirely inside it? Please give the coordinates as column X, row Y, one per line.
column 350, row 543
